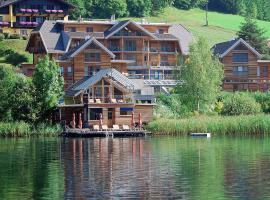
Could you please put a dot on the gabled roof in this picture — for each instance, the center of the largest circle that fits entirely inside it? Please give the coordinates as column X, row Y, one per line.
column 184, row 36
column 222, row 49
column 121, row 24
column 51, row 35
column 87, row 82
column 8, row 2
column 75, row 51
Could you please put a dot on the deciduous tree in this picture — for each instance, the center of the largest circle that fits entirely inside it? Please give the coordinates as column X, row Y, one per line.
column 200, row 78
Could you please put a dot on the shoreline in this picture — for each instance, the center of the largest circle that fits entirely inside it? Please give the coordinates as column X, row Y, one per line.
column 216, row 125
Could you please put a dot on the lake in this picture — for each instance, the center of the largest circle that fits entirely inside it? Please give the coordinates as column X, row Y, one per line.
column 135, row 168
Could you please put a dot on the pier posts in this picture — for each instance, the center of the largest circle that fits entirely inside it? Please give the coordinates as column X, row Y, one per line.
column 85, row 110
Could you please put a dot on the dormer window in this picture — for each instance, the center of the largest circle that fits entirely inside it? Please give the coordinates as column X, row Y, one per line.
column 89, row 29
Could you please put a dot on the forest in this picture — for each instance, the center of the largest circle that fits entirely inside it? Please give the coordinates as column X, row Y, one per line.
column 89, row 9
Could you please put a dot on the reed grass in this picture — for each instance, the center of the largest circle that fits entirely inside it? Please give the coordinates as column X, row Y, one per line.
column 217, row 125
column 22, row 129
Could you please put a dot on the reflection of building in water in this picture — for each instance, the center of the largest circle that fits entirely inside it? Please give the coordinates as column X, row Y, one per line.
column 104, row 168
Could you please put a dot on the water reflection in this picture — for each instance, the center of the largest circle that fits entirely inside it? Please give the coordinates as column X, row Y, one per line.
column 135, row 168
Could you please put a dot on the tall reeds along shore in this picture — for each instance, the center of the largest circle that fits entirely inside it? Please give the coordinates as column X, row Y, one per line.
column 217, row 125
column 22, row 129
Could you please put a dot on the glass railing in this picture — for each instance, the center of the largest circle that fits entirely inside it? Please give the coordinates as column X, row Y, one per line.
column 114, row 99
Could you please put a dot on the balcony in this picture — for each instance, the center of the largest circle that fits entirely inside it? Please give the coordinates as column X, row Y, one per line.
column 116, row 99
column 25, row 24
column 3, row 24
column 114, row 48
column 37, row 11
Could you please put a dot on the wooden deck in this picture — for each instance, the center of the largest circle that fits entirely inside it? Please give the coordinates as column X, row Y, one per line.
column 87, row 133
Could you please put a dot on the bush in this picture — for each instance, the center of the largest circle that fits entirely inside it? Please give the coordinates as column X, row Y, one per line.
column 2, row 37
column 263, row 99
column 16, row 59
column 7, row 35
column 15, row 36
column 240, row 104
column 24, row 37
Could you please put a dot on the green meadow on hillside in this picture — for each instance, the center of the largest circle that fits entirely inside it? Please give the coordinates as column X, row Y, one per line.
column 221, row 26
column 17, row 45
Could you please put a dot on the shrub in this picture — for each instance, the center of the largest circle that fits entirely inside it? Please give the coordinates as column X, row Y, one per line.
column 15, row 36
column 240, row 104
column 2, row 37
column 16, row 59
column 24, row 37
column 7, row 35
column 263, row 99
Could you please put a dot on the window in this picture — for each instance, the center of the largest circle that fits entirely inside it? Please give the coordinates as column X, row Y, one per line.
column 94, row 113
column 240, row 71
column 93, row 70
column 240, row 57
column 89, row 29
column 114, row 45
column 92, row 57
column 165, row 47
column 39, row 20
column 258, row 71
column 126, row 111
column 86, row 71
column 130, row 45
column 240, row 87
column 164, row 60
column 72, row 29
column 1, row 18
column 160, row 31
column 1, row 30
column 61, row 71
column 70, row 71
column 265, row 71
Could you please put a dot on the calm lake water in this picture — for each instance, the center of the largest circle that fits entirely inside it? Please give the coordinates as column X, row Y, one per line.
column 135, row 168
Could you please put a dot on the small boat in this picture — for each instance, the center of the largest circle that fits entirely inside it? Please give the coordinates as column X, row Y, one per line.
column 208, row 135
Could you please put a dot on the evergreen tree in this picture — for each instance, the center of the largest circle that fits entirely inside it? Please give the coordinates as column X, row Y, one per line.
column 250, row 32
column 200, row 78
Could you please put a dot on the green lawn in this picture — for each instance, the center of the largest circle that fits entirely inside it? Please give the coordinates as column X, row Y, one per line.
column 18, row 45
column 221, row 26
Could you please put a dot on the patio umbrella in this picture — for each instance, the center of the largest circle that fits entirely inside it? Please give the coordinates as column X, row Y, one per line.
column 73, row 123
column 100, row 120
column 132, row 120
column 140, row 120
column 80, row 121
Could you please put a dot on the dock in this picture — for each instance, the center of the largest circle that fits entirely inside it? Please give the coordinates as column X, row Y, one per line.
column 88, row 133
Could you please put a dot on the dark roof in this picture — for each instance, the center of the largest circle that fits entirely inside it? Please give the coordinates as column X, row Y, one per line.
column 116, row 27
column 71, row 92
column 86, row 82
column 221, row 48
column 4, row 3
column 165, row 36
column 81, row 35
column 81, row 46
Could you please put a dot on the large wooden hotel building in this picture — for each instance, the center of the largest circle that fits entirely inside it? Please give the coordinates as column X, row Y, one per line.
column 111, row 67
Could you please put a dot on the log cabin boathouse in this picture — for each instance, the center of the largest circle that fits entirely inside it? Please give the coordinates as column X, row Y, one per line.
column 111, row 68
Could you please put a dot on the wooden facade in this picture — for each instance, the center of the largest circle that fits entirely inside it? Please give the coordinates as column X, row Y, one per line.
column 243, row 69
column 22, row 16
column 137, row 53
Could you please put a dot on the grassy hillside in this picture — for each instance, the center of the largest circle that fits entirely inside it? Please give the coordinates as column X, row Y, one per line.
column 18, row 45
column 221, row 26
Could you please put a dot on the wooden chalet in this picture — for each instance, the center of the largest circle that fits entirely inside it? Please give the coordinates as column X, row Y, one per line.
column 109, row 94
column 147, row 51
column 22, row 16
column 243, row 68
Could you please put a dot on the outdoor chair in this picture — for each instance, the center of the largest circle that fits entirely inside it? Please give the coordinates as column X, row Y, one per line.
column 98, row 101
column 96, row 127
column 105, row 127
column 113, row 101
column 126, row 128
column 116, row 128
